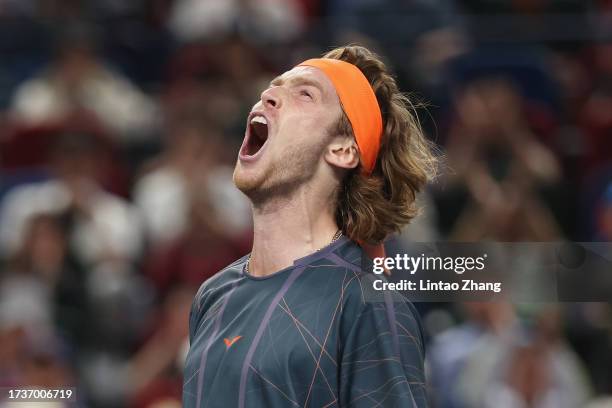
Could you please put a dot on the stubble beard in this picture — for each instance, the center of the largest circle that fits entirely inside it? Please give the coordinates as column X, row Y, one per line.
column 282, row 178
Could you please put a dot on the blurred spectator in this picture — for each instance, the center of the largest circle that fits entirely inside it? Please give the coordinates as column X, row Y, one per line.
column 196, row 221
column 495, row 157
column 193, row 162
column 499, row 359
column 451, row 350
column 163, row 193
column 116, row 203
column 155, row 370
column 263, row 21
column 42, row 310
column 44, row 260
column 208, row 244
column 105, row 227
column 77, row 79
column 538, row 369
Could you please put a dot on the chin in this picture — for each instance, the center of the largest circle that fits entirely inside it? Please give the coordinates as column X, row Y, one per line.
column 247, row 181
column 265, row 180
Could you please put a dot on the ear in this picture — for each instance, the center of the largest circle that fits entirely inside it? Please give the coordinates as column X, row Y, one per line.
column 343, row 153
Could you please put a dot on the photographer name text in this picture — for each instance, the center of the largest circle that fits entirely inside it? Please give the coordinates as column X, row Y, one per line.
column 413, row 264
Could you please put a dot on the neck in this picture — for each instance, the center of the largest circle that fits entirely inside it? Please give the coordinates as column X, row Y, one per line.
column 289, row 228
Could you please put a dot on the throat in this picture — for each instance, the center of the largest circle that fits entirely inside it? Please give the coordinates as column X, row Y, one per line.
column 282, row 237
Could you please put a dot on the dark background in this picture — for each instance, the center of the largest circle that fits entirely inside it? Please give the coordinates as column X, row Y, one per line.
column 120, row 122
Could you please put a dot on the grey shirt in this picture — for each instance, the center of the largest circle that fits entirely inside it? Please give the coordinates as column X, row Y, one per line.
column 304, row 336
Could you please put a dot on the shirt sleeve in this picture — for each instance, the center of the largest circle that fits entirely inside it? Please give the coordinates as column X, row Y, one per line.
column 383, row 357
column 195, row 312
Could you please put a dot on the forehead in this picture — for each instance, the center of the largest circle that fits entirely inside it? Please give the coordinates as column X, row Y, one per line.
column 308, row 75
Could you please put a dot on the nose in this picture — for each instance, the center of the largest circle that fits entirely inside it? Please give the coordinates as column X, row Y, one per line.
column 271, row 98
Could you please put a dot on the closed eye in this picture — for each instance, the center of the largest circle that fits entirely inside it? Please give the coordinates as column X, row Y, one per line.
column 305, row 93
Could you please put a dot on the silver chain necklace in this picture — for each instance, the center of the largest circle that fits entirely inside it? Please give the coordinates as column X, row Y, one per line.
column 336, row 237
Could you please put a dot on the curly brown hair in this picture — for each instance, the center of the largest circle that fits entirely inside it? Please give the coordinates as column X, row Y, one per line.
column 369, row 208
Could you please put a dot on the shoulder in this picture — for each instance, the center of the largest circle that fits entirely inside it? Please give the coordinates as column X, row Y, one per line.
column 363, row 293
column 358, row 281
column 366, row 306
column 219, row 283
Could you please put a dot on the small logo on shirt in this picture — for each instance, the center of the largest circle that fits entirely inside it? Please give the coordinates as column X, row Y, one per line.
column 230, row 342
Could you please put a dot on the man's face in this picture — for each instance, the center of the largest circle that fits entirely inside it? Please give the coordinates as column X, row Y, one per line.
column 287, row 132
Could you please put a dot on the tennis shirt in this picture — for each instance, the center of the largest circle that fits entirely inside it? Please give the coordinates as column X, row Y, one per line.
column 305, row 336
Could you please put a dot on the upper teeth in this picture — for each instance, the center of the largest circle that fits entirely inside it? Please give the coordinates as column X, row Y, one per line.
column 259, row 119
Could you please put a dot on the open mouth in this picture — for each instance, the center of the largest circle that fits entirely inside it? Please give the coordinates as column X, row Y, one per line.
column 257, row 135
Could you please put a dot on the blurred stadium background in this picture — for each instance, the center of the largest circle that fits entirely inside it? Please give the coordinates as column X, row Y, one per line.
column 119, row 126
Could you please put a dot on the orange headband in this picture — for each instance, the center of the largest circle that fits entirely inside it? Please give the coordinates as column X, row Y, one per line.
column 359, row 104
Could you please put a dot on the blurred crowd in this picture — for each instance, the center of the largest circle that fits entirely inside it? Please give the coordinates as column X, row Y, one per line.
column 120, row 122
